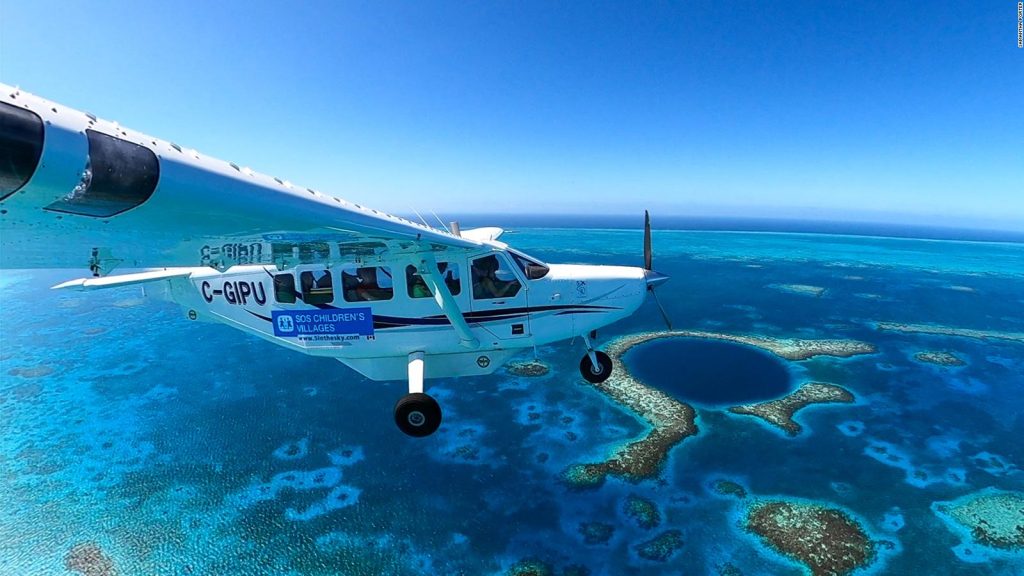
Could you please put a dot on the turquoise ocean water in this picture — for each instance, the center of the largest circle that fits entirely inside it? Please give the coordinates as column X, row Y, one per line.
column 172, row 447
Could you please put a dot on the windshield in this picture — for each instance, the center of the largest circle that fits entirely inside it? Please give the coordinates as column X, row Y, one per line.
column 533, row 269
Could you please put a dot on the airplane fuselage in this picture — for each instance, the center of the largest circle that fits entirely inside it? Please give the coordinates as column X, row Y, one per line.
column 375, row 336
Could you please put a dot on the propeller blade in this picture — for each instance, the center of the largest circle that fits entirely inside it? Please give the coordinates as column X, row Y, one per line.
column 664, row 315
column 648, row 256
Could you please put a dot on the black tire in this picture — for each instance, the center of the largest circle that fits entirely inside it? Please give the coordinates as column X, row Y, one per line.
column 418, row 415
column 598, row 374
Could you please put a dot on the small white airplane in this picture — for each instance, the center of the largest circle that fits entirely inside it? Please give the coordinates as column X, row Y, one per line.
column 390, row 298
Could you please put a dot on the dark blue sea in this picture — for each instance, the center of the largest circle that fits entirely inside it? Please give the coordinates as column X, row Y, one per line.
column 134, row 441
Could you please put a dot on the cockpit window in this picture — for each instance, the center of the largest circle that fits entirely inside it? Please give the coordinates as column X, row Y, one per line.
column 21, row 146
column 118, row 176
column 367, row 283
column 317, row 287
column 418, row 288
column 531, row 268
column 493, row 279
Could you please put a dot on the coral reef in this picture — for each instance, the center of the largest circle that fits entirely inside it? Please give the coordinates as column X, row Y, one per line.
column 994, row 464
column 661, row 547
column 993, row 518
column 642, row 511
column 671, row 421
column 33, row 372
column 939, row 358
column 788, row 348
column 780, row 412
column 918, row 476
column 528, row 369
column 801, row 289
column 725, row 487
column 339, row 497
column 530, row 567
column 293, row 450
column 88, row 559
column 826, row 540
column 728, row 569
column 596, row 532
column 950, row 331
column 851, row 428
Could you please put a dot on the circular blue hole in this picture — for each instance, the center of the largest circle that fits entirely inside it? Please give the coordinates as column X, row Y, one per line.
column 709, row 372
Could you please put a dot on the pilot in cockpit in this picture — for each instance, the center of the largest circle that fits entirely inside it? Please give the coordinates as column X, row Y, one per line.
column 486, row 283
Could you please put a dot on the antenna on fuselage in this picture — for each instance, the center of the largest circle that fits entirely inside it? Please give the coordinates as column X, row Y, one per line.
column 455, row 228
column 441, row 222
column 420, row 216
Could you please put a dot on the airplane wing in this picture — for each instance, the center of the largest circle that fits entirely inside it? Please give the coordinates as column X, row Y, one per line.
column 77, row 191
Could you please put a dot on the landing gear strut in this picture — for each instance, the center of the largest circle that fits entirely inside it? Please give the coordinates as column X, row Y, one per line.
column 417, row 414
column 596, row 366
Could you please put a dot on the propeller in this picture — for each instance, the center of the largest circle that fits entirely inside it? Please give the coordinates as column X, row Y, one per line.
column 648, row 254
column 653, row 278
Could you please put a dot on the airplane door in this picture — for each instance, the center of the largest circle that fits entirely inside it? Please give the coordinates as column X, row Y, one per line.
column 499, row 300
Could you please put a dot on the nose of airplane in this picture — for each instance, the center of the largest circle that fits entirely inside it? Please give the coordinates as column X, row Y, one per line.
column 654, row 278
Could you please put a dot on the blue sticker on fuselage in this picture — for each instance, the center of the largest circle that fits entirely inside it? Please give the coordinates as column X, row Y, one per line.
column 331, row 322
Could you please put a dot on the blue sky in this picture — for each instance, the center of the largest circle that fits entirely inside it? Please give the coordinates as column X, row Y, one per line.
column 876, row 111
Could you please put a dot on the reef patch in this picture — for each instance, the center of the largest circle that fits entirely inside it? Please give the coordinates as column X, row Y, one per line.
column 642, row 511
column 293, row 450
column 32, row 372
column 788, row 348
column 994, row 464
column 918, row 476
column 939, row 358
column 827, row 540
column 88, row 559
column 530, row 567
column 801, row 289
column 596, row 533
column 780, row 412
column 528, row 369
column 990, row 518
column 950, row 331
column 851, row 428
column 728, row 488
column 662, row 547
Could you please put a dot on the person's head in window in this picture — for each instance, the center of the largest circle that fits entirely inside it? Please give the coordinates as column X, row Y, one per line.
column 486, row 283
column 367, row 277
column 417, row 285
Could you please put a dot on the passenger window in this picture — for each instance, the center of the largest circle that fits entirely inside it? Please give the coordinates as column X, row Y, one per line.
column 284, row 288
column 21, row 146
column 418, row 288
column 367, row 283
column 317, row 287
column 119, row 176
column 492, row 278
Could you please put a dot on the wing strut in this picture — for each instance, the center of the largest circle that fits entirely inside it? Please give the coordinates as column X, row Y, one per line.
column 444, row 299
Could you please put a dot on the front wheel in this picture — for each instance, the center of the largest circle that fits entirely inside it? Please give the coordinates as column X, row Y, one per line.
column 600, row 372
column 418, row 415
